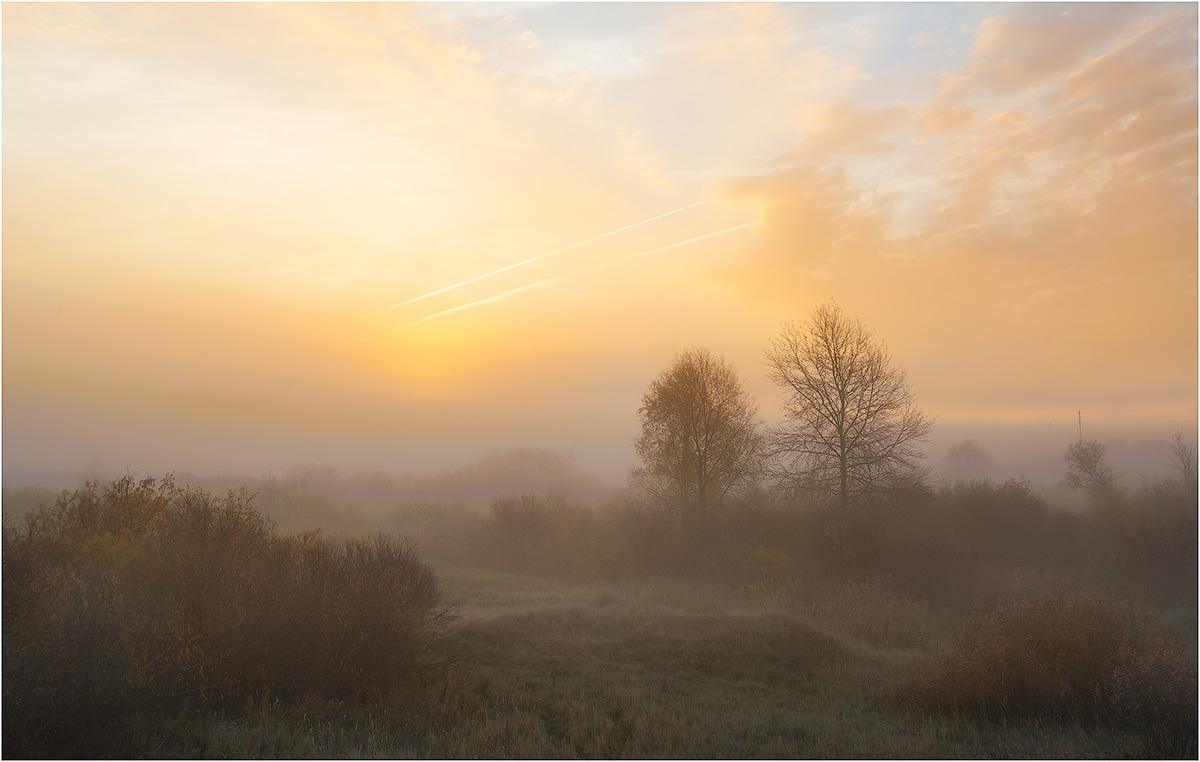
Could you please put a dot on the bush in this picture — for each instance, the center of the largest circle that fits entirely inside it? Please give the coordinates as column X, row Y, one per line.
column 541, row 535
column 145, row 598
column 532, row 534
column 1152, row 542
column 1154, row 694
column 449, row 532
column 1051, row 656
column 1000, row 523
column 1066, row 657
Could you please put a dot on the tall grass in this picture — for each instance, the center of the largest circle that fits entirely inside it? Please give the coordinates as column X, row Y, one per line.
column 876, row 611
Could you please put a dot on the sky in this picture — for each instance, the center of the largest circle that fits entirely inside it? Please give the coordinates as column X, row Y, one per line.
column 219, row 219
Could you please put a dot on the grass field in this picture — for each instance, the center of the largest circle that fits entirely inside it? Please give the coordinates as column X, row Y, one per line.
column 550, row 669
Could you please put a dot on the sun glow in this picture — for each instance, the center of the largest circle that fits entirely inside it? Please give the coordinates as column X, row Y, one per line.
column 390, row 205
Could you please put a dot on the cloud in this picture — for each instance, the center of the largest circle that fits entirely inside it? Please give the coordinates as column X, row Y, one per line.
column 1144, row 80
column 949, row 111
column 1034, row 43
column 290, row 163
column 985, row 304
column 636, row 160
column 70, row 21
column 527, row 40
column 871, row 39
column 1124, row 118
column 851, row 73
column 924, row 39
column 746, row 33
column 813, row 219
column 1041, row 241
column 844, row 128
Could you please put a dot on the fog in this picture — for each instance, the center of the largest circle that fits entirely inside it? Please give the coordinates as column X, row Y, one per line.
column 56, row 452
column 495, row 608
column 599, row 380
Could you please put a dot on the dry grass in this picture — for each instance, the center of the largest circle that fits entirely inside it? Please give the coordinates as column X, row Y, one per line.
column 560, row 670
column 875, row 611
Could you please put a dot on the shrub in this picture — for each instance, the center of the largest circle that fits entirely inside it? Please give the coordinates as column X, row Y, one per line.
column 642, row 537
column 1000, row 523
column 450, row 532
column 1066, row 657
column 539, row 535
column 1152, row 542
column 148, row 599
column 915, row 543
column 1154, row 693
column 1050, row 656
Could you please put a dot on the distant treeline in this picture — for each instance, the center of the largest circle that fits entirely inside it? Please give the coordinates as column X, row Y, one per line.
column 967, row 540
column 321, row 496
column 953, row 543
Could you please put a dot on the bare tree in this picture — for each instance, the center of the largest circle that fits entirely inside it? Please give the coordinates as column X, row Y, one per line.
column 852, row 427
column 1184, row 462
column 700, row 437
column 1088, row 473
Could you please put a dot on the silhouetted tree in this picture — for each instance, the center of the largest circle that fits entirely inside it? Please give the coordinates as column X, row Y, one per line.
column 1184, row 462
column 968, row 460
column 700, row 437
column 1088, row 473
column 852, row 426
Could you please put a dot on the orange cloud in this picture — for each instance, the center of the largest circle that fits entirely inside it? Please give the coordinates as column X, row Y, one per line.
column 1057, row 306
column 1157, row 62
column 813, row 221
column 1034, row 43
column 949, row 111
column 1056, row 264
column 846, row 129
column 50, row 20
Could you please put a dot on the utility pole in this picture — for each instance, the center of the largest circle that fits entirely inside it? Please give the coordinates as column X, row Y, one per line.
column 1080, row 427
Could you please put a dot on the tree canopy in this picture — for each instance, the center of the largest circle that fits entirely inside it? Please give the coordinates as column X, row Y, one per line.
column 1088, row 473
column 700, row 437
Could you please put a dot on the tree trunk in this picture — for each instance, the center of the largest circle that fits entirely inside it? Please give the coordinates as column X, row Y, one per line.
column 843, row 473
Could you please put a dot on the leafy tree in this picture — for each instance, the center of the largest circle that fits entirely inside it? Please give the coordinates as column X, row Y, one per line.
column 852, row 426
column 700, row 437
column 1088, row 473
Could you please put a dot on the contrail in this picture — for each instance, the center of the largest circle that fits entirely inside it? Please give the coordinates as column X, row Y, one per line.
column 566, row 276
column 524, row 262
